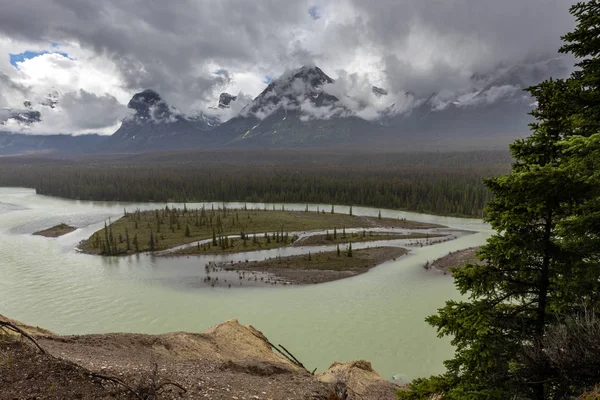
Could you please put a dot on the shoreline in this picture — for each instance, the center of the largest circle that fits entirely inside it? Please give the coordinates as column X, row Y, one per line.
column 455, row 259
column 55, row 231
column 318, row 267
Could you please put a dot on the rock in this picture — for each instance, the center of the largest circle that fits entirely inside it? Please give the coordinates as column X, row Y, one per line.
column 360, row 381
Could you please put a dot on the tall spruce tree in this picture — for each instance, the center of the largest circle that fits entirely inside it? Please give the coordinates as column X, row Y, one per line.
column 541, row 266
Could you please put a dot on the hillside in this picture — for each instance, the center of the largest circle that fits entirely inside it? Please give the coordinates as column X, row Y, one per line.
column 227, row 361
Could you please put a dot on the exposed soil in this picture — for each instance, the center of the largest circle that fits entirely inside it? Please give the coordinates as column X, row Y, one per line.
column 56, row 231
column 456, row 259
column 321, row 267
column 228, row 361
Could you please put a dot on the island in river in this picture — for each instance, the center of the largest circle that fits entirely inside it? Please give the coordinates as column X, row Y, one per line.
column 318, row 267
column 158, row 230
column 56, row 231
column 177, row 232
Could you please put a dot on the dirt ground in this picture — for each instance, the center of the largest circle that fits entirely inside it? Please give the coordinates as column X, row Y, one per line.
column 322, row 267
column 228, row 361
column 56, row 231
column 455, row 259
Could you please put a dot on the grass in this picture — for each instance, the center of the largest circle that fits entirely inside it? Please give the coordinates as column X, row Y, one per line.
column 238, row 245
column 56, row 231
column 364, row 236
column 172, row 227
column 360, row 261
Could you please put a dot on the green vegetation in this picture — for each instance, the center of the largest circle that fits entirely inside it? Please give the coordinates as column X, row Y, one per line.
column 528, row 328
column 165, row 228
column 322, row 267
column 354, row 237
column 246, row 242
column 439, row 183
column 56, row 231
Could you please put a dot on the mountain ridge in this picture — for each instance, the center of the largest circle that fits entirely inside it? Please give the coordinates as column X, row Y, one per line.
column 296, row 110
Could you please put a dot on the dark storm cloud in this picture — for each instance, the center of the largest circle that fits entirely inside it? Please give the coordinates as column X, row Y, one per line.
column 459, row 37
column 421, row 46
column 89, row 111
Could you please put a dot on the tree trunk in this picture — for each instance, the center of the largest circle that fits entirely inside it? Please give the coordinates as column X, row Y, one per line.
column 540, row 325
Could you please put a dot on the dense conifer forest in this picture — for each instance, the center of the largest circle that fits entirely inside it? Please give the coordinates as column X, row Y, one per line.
column 440, row 183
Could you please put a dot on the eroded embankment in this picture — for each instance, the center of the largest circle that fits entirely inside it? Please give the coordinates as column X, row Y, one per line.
column 227, row 361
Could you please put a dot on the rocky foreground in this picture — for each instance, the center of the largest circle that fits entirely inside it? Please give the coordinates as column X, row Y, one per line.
column 227, row 361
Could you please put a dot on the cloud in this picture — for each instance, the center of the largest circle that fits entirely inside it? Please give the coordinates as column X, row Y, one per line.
column 413, row 48
column 16, row 59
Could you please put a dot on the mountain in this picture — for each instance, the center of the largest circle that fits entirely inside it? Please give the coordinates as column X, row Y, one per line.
column 494, row 111
column 154, row 125
column 17, row 143
column 294, row 110
column 17, row 118
column 225, row 100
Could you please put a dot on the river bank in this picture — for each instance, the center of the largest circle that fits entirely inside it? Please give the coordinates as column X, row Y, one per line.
column 48, row 283
column 55, row 231
column 226, row 361
column 318, row 267
column 455, row 259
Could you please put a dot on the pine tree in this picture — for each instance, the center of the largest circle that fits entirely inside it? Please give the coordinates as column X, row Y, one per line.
column 350, row 249
column 350, row 211
column 338, row 250
column 542, row 263
column 187, row 230
column 151, row 242
column 214, row 238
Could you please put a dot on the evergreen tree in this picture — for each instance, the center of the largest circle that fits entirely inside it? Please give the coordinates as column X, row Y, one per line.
column 214, row 238
column 151, row 242
column 349, row 249
column 187, row 230
column 542, row 264
column 350, row 211
column 338, row 250
column 127, row 239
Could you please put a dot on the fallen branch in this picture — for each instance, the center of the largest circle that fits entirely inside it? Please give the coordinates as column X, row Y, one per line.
column 5, row 325
column 112, row 379
column 16, row 329
column 295, row 359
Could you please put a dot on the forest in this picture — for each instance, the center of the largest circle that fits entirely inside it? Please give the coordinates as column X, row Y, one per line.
column 437, row 183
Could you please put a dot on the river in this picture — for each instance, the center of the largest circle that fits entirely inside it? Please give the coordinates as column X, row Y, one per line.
column 377, row 316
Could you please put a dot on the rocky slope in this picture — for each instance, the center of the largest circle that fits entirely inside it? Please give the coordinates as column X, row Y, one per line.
column 227, row 361
column 157, row 126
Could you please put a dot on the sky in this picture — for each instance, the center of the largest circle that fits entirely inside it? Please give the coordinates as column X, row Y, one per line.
column 97, row 53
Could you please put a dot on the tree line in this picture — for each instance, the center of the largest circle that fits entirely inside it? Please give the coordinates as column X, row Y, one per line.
column 429, row 187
